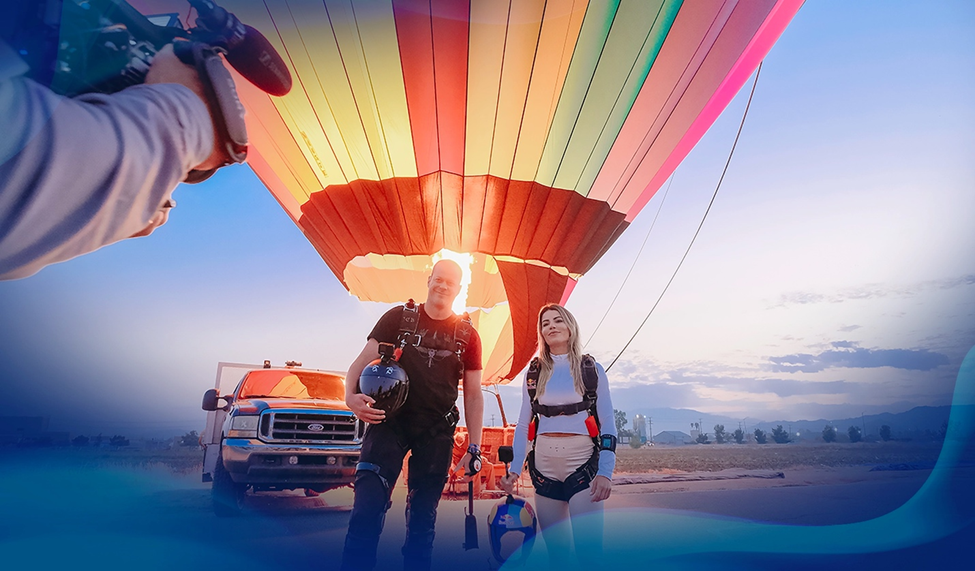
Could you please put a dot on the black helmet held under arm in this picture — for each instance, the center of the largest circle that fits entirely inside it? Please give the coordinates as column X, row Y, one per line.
column 385, row 381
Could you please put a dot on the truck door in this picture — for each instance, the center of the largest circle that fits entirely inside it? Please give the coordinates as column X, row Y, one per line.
column 228, row 378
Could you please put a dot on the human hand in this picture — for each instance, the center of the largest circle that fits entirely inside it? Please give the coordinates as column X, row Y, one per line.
column 600, row 488
column 167, row 68
column 158, row 219
column 508, row 482
column 463, row 464
column 361, row 406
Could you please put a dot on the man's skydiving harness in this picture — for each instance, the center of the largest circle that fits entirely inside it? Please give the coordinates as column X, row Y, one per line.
column 411, row 320
column 580, row 479
column 408, row 336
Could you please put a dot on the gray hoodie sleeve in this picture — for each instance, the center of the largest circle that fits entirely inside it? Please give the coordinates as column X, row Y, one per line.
column 77, row 174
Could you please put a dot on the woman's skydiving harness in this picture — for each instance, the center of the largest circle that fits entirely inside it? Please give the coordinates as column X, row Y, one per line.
column 580, row 479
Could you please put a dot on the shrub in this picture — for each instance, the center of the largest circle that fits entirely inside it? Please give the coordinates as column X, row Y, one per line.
column 885, row 433
column 855, row 434
column 738, row 435
column 829, row 433
column 702, row 438
column 720, row 436
column 780, row 436
column 191, row 438
column 760, row 436
column 118, row 440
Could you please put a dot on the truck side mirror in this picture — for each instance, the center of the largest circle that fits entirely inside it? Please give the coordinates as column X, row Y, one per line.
column 210, row 400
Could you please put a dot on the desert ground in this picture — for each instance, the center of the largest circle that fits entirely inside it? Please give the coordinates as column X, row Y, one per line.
column 657, row 459
column 717, row 457
column 130, row 508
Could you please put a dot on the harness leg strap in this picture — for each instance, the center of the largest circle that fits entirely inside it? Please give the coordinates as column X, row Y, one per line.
column 582, row 477
column 372, row 501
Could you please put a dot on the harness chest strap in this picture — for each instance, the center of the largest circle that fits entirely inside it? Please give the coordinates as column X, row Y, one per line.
column 410, row 321
column 590, row 381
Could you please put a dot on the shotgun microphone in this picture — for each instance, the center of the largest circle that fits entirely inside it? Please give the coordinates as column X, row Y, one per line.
column 248, row 51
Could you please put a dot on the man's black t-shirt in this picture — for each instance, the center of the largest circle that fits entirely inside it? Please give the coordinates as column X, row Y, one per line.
column 433, row 367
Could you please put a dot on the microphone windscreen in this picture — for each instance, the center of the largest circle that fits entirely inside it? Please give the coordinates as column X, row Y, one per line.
column 257, row 60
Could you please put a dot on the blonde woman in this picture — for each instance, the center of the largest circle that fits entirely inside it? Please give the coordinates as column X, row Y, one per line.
column 568, row 433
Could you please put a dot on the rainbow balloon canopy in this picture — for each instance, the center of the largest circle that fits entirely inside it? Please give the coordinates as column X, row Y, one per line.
column 526, row 133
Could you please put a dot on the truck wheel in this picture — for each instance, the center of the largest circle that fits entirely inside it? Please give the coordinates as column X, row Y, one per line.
column 228, row 496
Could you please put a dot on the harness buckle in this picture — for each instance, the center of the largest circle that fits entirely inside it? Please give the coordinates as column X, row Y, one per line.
column 452, row 416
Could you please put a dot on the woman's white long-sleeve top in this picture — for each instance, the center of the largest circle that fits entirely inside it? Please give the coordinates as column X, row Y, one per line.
column 560, row 390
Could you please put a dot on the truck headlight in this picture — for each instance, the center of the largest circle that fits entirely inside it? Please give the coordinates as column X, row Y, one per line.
column 243, row 427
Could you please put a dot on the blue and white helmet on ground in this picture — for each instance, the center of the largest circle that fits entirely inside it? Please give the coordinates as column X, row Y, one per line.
column 512, row 515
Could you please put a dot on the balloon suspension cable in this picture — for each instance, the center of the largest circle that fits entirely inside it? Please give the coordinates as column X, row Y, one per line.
column 698, row 231
column 635, row 260
column 497, row 394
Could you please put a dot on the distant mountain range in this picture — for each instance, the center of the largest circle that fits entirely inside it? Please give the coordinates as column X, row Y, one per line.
column 915, row 421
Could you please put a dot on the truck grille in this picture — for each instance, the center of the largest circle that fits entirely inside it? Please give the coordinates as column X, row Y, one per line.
column 293, row 427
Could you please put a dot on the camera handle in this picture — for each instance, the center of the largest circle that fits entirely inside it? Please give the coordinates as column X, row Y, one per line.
column 228, row 113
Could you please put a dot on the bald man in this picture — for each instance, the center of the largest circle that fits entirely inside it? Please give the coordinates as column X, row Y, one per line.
column 424, row 424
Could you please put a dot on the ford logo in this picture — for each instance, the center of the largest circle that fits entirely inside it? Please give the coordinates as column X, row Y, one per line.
column 316, row 427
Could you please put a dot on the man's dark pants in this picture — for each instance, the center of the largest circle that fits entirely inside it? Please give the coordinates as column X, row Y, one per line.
column 383, row 448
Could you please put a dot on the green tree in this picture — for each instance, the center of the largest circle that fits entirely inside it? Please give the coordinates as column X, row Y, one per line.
column 720, row 436
column 885, row 433
column 760, row 436
column 620, row 417
column 780, row 435
column 855, row 434
column 191, row 438
column 738, row 435
column 702, row 438
column 80, row 440
column 829, row 433
column 119, row 440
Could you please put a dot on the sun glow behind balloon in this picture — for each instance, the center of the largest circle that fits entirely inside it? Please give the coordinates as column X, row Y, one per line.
column 465, row 261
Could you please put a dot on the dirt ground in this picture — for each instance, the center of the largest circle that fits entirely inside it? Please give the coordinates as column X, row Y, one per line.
column 653, row 460
column 717, row 457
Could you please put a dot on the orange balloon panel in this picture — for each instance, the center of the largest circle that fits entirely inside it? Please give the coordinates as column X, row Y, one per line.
column 528, row 133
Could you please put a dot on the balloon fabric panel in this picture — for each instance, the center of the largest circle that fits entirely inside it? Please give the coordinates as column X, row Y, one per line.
column 433, row 50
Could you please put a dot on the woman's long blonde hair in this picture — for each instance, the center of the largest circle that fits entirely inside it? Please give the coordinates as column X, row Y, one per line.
column 546, row 364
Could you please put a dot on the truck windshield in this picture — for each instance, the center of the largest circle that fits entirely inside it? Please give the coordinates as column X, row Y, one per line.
column 292, row 384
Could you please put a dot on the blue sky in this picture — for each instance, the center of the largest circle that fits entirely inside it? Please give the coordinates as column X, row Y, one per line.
column 835, row 273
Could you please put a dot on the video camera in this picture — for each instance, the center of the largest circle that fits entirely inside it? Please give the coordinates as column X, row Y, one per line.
column 104, row 46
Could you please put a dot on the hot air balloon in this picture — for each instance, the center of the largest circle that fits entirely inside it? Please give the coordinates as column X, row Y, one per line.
column 523, row 134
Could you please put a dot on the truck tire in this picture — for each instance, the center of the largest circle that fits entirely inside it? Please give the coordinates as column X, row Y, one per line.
column 228, row 496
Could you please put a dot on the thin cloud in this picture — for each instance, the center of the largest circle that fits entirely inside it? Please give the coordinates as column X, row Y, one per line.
column 872, row 291
column 792, row 387
column 849, row 328
column 677, row 386
column 846, row 354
